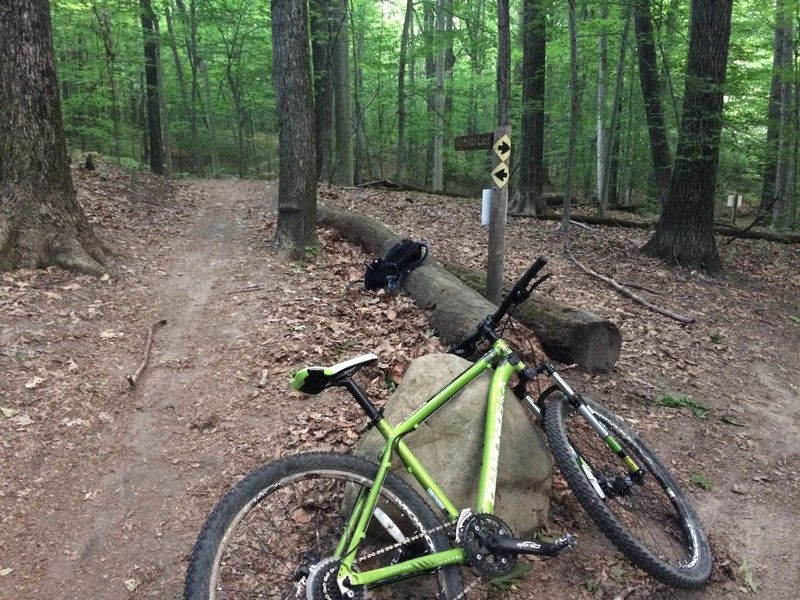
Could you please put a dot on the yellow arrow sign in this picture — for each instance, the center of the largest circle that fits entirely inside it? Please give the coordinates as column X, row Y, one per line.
column 502, row 148
column 500, row 174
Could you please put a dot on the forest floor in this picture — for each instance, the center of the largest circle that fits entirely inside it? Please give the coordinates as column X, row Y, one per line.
column 104, row 487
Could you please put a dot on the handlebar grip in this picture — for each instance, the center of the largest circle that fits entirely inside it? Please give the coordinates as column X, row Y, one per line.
column 531, row 273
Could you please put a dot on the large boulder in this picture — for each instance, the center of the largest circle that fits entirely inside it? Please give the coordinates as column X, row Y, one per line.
column 450, row 443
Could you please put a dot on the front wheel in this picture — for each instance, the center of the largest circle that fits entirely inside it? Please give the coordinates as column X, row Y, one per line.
column 648, row 517
column 274, row 534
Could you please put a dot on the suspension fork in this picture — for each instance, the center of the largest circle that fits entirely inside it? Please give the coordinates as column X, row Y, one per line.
column 577, row 401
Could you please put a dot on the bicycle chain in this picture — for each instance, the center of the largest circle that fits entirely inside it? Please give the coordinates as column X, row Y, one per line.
column 410, row 540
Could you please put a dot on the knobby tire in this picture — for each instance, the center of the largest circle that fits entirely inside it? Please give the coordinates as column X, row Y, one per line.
column 288, row 515
column 652, row 522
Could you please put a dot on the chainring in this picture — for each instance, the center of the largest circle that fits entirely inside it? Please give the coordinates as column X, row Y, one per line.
column 475, row 537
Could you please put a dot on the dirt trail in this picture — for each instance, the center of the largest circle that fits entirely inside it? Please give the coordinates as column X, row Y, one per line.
column 103, row 490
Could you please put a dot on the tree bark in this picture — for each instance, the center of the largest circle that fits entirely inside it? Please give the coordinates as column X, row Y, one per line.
column 41, row 221
column 770, row 163
column 602, row 89
column 531, row 163
column 152, row 77
column 343, row 122
column 651, row 94
column 322, row 52
column 297, row 187
column 685, row 231
column 574, row 117
column 456, row 308
column 402, row 60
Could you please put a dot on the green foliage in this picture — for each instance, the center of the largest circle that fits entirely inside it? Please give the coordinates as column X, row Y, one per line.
column 749, row 577
column 673, row 400
column 234, row 42
column 701, row 481
column 716, row 337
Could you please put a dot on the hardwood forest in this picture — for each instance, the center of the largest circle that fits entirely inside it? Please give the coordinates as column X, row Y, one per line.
column 212, row 175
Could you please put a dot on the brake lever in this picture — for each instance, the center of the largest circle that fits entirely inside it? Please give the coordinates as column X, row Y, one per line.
column 539, row 282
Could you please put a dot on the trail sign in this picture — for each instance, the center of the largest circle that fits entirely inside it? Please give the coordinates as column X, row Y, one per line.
column 475, row 141
column 502, row 148
column 500, row 175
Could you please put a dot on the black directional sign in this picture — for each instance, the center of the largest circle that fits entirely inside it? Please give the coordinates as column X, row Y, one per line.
column 475, row 141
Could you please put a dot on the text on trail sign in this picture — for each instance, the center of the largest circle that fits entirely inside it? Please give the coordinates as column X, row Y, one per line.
column 475, row 141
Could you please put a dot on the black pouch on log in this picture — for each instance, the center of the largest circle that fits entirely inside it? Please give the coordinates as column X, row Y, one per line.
column 402, row 258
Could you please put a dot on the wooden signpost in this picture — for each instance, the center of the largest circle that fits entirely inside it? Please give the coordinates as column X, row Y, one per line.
column 500, row 142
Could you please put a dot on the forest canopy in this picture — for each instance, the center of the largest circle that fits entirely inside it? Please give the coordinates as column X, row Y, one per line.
column 218, row 103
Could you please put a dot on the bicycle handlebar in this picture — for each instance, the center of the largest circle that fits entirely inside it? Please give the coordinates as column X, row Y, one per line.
column 518, row 294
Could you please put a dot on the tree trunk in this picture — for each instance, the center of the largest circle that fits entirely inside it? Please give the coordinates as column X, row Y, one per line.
column 297, row 187
column 152, row 78
column 602, row 89
column 685, row 231
column 781, row 210
column 574, row 117
column 402, row 59
column 651, row 94
column 190, row 100
column 437, row 181
column 571, row 336
column 499, row 208
column 322, row 47
column 612, row 146
column 210, row 118
column 104, row 23
column 531, row 164
column 343, row 122
column 41, row 221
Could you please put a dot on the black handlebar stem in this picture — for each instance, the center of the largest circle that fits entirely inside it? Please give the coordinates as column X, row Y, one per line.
column 486, row 329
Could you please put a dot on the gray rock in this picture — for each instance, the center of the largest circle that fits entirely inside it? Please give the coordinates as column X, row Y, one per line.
column 449, row 444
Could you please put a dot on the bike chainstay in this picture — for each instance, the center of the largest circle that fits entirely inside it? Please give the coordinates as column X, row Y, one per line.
column 414, row 538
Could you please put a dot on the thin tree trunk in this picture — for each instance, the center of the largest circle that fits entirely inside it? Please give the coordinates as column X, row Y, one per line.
column 152, row 78
column 343, row 122
column 438, row 104
column 402, row 59
column 612, row 138
column 322, row 54
column 165, row 130
column 190, row 100
column 781, row 211
column 574, row 117
column 651, row 95
column 602, row 88
column 104, row 23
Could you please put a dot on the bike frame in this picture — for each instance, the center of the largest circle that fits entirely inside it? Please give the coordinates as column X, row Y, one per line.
column 505, row 364
column 355, row 530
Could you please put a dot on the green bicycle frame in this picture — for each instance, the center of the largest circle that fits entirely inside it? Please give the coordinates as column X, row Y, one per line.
column 356, row 527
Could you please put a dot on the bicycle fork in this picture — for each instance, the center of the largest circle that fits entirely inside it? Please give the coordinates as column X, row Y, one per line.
column 620, row 486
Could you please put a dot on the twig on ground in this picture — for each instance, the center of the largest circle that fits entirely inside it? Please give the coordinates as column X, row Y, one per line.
column 132, row 379
column 249, row 288
column 626, row 292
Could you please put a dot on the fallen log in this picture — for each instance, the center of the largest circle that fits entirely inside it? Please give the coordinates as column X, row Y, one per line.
column 567, row 334
column 456, row 308
column 787, row 237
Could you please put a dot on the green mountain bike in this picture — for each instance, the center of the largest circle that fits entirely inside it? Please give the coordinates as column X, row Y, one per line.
column 328, row 526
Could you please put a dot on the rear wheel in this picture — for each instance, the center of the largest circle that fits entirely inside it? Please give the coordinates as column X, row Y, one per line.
column 648, row 518
column 273, row 535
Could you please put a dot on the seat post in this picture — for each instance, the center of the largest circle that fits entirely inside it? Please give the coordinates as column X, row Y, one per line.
column 360, row 395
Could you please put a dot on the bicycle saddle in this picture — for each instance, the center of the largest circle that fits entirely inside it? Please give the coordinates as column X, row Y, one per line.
column 312, row 380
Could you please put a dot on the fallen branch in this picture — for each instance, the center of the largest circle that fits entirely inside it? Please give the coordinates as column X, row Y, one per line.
column 626, row 292
column 250, row 288
column 132, row 379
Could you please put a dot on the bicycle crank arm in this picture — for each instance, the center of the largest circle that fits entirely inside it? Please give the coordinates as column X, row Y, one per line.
column 507, row 545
